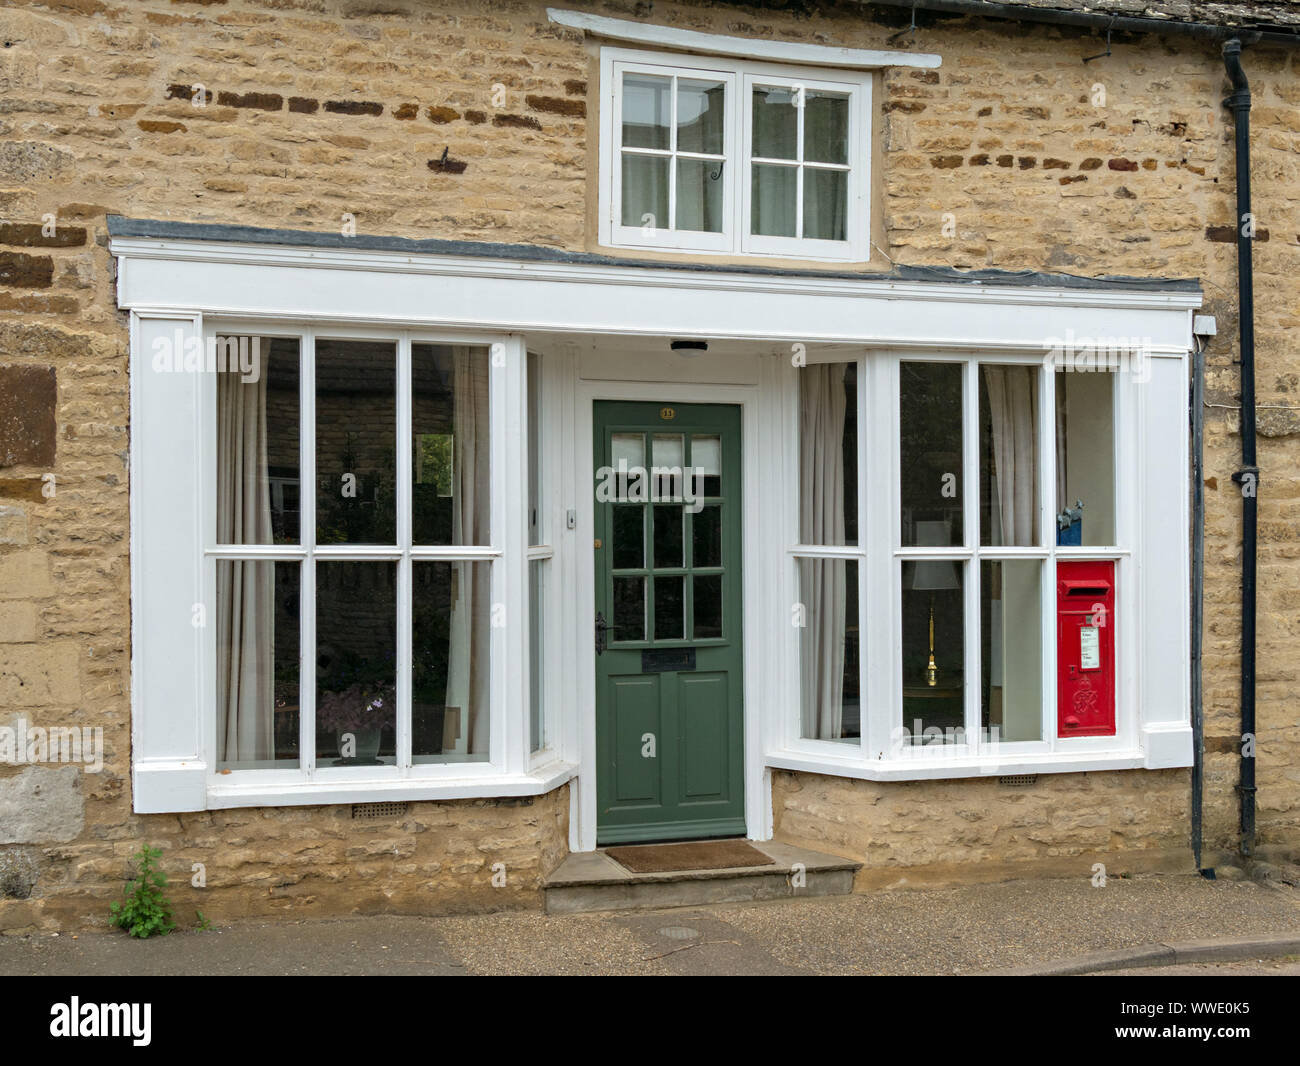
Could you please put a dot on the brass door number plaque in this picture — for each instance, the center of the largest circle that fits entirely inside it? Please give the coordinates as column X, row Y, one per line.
column 667, row 414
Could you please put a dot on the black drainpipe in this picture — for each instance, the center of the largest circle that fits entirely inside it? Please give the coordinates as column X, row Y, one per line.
column 1248, row 476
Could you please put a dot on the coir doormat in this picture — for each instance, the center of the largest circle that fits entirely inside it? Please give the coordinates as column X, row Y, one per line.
column 696, row 855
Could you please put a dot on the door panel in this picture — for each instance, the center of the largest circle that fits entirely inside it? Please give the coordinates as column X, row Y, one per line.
column 704, row 702
column 669, row 718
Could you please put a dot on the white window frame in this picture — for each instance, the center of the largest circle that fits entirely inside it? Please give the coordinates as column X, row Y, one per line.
column 879, row 555
column 739, row 76
column 511, row 768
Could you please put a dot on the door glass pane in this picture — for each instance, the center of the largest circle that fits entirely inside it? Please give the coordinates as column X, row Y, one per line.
column 825, row 127
column 829, row 657
column 772, row 200
column 257, row 664
column 356, row 437
column 670, row 608
column 667, row 457
column 647, row 111
column 668, row 535
column 706, row 536
column 1085, row 457
column 257, row 440
column 1009, row 455
column 933, row 652
column 930, row 427
column 451, row 444
column 645, row 190
column 356, row 670
column 629, row 536
column 700, row 118
column 706, row 459
column 825, row 204
column 775, row 123
column 699, row 195
column 628, row 450
column 629, row 609
column 451, row 611
column 708, row 605
column 828, row 454
column 1011, row 620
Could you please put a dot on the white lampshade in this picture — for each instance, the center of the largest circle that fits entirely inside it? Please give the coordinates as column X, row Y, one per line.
column 930, row 575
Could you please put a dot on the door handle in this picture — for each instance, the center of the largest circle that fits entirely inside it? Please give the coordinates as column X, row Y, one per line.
column 602, row 628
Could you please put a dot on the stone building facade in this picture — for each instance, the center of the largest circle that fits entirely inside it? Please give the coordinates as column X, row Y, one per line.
column 476, row 122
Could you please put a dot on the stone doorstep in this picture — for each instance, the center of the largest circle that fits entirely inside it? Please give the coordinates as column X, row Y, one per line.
column 592, row 881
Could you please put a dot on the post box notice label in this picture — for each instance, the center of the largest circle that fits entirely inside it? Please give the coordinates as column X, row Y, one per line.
column 1089, row 648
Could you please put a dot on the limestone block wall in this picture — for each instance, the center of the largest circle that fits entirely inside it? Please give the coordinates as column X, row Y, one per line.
column 472, row 119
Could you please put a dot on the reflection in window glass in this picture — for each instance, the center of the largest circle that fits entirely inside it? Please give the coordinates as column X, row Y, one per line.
column 645, row 190
column 1085, row 458
column 772, row 198
column 257, row 664
column 356, row 668
column 828, row 454
column 1009, row 455
column 826, row 128
column 629, row 609
column 356, row 436
column 670, row 607
column 933, row 651
column 257, row 440
column 450, row 652
column 930, row 446
column 829, row 649
column 825, row 204
column 706, row 459
column 701, row 123
column 667, row 458
column 706, row 534
column 707, row 606
column 629, row 536
column 775, row 123
column 699, row 195
column 452, row 446
column 668, row 521
column 647, row 111
column 1011, row 696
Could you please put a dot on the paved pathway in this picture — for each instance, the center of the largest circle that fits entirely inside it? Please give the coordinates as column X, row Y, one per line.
column 941, row 931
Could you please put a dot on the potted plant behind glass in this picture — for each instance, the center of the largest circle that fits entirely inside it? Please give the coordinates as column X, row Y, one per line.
column 360, row 711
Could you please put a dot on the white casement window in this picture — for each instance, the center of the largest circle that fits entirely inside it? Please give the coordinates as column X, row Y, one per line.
column 734, row 157
column 948, row 509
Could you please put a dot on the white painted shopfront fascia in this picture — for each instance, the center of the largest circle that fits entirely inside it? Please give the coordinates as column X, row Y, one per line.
column 603, row 330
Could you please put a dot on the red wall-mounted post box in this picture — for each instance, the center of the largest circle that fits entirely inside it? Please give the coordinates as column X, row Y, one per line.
column 1085, row 649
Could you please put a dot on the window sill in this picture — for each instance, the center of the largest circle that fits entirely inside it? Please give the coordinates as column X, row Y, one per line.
column 930, row 769
column 159, row 792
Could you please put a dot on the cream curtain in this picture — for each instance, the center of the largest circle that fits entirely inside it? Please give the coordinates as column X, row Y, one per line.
column 1013, row 409
column 245, row 588
column 468, row 656
column 821, row 521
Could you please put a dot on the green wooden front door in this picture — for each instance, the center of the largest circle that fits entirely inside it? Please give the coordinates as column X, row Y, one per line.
column 669, row 716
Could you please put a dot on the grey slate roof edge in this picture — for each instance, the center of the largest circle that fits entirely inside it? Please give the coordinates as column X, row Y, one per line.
column 120, row 226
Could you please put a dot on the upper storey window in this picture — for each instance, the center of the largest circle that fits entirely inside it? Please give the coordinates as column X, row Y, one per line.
column 734, row 157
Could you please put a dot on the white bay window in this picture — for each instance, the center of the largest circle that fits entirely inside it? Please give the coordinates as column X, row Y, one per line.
column 938, row 505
